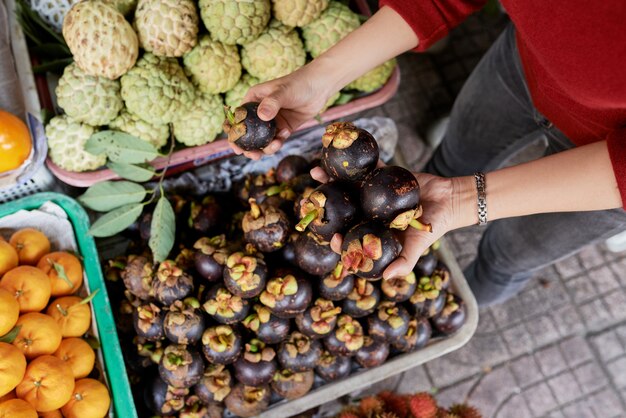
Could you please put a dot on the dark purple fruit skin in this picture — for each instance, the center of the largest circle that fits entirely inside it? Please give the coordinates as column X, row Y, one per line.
column 155, row 333
column 145, row 223
column 273, row 331
column 430, row 307
column 167, row 294
column 382, row 331
column 290, row 389
column 259, row 133
column 207, row 267
column 340, row 368
column 132, row 277
column 350, row 307
column 339, row 211
column 362, row 157
column 234, row 288
column 184, row 377
column 208, row 217
column 442, row 269
column 204, row 393
column 336, row 347
column 372, row 354
column 155, row 397
column 254, row 374
column 289, row 253
column 423, row 332
column 449, row 324
column 265, row 238
column 314, row 258
column 190, row 332
column 293, row 305
column 390, row 245
column 426, row 265
column 387, row 192
column 290, row 167
column 226, row 357
column 235, row 403
column 339, row 292
column 238, row 317
column 302, row 362
column 304, row 323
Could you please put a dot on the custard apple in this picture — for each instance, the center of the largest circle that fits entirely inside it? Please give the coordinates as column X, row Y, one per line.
column 52, row 11
column 156, row 88
column 167, row 28
column 66, row 141
column 277, row 52
column 88, row 99
column 298, row 12
column 102, row 41
column 200, row 122
column 235, row 95
column 125, row 7
column 374, row 79
column 334, row 24
column 213, row 66
column 157, row 135
column 235, row 21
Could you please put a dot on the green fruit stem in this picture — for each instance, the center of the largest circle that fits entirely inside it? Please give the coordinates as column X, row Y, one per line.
column 302, row 225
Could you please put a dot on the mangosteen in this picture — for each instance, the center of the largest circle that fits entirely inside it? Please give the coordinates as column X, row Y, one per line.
column 347, row 337
column 185, row 259
column 372, row 354
column 248, row 401
column 181, row 367
column 184, row 323
column 256, row 366
column 171, row 283
column 137, row 276
column 302, row 196
column 328, row 210
column 290, row 167
column 245, row 275
column 399, row 289
column 349, row 153
column 368, row 249
column 210, row 257
column 205, row 217
column 265, row 227
column 362, row 300
column 332, row 367
column 196, row 408
column 221, row 344
column 442, row 275
column 246, row 130
column 429, row 298
column 148, row 322
column 163, row 399
column 268, row 328
column 145, row 223
column 152, row 351
column 416, row 337
column 319, row 320
column 291, row 385
column 316, row 258
column 225, row 307
column 426, row 263
column 124, row 315
column 337, row 285
column 299, row 353
column 288, row 252
column 215, row 384
column 259, row 186
column 452, row 316
column 389, row 322
column 287, row 294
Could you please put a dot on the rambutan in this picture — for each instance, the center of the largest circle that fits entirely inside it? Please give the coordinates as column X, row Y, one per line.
column 423, row 405
column 465, row 411
column 370, row 406
column 348, row 413
column 398, row 404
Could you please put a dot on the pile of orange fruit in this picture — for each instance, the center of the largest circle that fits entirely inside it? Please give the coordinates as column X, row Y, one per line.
column 15, row 142
column 44, row 361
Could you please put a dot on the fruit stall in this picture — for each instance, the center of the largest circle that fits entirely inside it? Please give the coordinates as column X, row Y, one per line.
column 165, row 276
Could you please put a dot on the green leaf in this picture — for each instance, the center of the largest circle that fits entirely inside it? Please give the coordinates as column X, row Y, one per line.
column 140, row 173
column 54, row 66
column 162, row 230
column 121, row 147
column 116, row 221
column 11, row 335
column 109, row 195
column 93, row 342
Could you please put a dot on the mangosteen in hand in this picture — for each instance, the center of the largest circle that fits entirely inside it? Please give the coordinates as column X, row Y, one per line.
column 328, row 210
column 452, row 317
column 336, row 285
column 221, row 344
column 368, row 249
column 316, row 258
column 215, row 384
column 196, row 408
column 245, row 275
column 181, row 367
column 372, row 354
column 148, row 322
column 184, row 323
column 291, row 385
column 163, row 399
column 246, row 130
column 319, row 320
column 137, row 276
column 225, row 307
column 210, row 257
column 268, row 328
column 248, row 401
column 171, row 283
column 426, row 264
column 205, row 217
column 265, row 227
column 389, row 322
column 362, row 300
column 416, row 337
column 399, row 289
column 333, row 367
column 349, row 153
column 287, row 295
column 256, row 366
column 290, row 167
column 346, row 339
column 429, row 298
column 299, row 353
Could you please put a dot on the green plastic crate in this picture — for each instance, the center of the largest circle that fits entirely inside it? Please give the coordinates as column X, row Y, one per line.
column 123, row 403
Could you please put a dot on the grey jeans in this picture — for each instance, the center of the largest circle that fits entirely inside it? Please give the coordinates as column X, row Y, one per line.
column 492, row 118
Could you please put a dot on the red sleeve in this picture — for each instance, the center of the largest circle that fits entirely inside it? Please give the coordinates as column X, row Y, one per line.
column 616, row 142
column 431, row 20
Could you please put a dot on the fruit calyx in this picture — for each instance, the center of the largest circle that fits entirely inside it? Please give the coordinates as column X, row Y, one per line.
column 323, row 312
column 212, row 246
column 411, row 218
column 151, row 349
column 287, row 375
column 297, row 343
column 253, row 394
column 224, row 304
column 389, row 312
column 350, row 332
column 451, row 305
column 361, row 254
column 340, row 135
column 363, row 294
column 234, row 126
column 427, row 288
column 257, row 351
column 261, row 315
column 220, row 338
column 312, row 210
column 219, row 380
column 176, row 356
column 277, row 288
column 398, row 285
column 147, row 315
column 168, row 272
column 241, row 269
column 259, row 216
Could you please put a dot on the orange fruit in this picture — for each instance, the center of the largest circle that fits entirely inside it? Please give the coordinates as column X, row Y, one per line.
column 10, row 395
column 90, row 399
column 62, row 268
column 9, row 311
column 47, row 385
column 17, row 408
column 8, row 257
column 29, row 286
column 12, row 367
column 30, row 244
column 52, row 414
column 39, row 334
column 78, row 354
column 73, row 318
column 15, row 142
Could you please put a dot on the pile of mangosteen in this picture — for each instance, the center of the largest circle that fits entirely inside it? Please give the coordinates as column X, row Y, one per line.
column 255, row 307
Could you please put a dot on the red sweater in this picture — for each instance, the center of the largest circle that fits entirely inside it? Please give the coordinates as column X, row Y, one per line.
column 574, row 58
